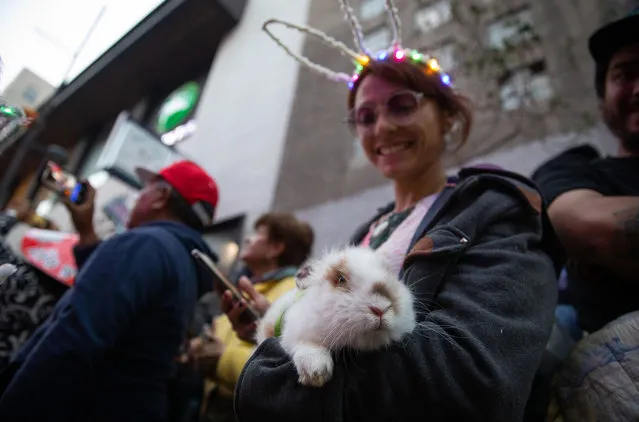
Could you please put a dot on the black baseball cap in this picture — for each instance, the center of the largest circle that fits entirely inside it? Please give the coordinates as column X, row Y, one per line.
column 606, row 41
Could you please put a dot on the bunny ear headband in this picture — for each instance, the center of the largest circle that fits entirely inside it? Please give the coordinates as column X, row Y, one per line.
column 362, row 58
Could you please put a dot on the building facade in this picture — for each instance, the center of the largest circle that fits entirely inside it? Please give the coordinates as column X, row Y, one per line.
column 28, row 90
column 523, row 64
column 129, row 108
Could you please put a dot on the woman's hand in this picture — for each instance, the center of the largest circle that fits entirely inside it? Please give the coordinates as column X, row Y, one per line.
column 233, row 309
column 205, row 352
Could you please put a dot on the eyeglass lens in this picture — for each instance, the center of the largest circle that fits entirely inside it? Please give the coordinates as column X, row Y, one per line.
column 398, row 107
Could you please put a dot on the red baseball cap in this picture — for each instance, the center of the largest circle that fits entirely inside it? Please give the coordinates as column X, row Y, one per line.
column 192, row 183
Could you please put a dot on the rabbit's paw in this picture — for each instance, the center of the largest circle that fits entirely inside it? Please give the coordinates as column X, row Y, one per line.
column 314, row 365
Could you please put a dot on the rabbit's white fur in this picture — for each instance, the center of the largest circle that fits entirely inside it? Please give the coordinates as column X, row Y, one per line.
column 335, row 313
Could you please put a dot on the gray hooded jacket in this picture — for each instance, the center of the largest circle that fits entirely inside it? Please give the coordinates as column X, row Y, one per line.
column 481, row 259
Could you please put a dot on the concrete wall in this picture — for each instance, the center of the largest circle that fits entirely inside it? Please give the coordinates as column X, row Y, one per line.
column 244, row 112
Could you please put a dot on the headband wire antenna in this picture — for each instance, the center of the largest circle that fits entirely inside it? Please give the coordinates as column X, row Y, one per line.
column 329, row 41
column 356, row 27
column 363, row 57
column 396, row 24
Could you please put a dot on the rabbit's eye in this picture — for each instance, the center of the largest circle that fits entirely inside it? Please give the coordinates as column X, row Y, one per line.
column 341, row 280
column 337, row 276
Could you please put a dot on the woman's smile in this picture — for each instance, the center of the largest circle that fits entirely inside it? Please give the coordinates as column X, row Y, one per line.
column 391, row 149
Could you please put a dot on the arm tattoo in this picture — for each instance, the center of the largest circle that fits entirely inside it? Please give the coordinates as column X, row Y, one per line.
column 626, row 237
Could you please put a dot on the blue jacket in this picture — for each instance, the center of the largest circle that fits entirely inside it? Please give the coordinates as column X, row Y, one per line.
column 107, row 351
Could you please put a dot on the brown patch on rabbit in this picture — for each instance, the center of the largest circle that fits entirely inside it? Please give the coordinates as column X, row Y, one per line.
column 338, row 273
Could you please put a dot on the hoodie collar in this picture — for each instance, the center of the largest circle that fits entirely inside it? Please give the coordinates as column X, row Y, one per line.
column 195, row 235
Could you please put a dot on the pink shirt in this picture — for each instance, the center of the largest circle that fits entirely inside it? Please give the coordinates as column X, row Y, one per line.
column 394, row 250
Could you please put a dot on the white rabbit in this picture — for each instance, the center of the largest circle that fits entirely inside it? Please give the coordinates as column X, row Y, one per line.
column 348, row 299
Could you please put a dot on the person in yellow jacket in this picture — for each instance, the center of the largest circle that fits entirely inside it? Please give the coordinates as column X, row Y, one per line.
column 273, row 253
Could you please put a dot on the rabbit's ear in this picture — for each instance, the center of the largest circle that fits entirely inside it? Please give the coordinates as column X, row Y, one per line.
column 301, row 278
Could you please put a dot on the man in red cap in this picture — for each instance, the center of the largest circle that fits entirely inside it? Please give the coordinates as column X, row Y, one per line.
column 192, row 195
column 108, row 350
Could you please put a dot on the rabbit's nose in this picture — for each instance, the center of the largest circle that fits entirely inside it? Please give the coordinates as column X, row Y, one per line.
column 376, row 311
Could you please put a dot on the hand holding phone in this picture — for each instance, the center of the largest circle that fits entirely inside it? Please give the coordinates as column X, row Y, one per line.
column 64, row 183
column 249, row 315
column 243, row 324
column 82, row 216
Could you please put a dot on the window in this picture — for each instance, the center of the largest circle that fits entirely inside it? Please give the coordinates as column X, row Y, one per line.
column 525, row 87
column 433, row 16
column 379, row 39
column 512, row 29
column 30, row 94
column 445, row 56
column 370, row 9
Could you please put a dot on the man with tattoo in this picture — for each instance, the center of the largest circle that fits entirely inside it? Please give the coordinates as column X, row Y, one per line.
column 594, row 201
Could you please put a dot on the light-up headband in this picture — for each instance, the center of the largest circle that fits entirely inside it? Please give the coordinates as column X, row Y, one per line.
column 364, row 57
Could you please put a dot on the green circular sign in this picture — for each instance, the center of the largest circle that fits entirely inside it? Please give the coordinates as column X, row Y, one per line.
column 177, row 107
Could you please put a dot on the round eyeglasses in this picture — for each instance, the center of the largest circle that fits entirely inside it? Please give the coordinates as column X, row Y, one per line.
column 399, row 108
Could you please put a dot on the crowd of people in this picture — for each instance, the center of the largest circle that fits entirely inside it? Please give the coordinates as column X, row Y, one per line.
column 484, row 253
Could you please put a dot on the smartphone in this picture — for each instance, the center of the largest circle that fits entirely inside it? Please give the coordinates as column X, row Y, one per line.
column 64, row 183
column 247, row 316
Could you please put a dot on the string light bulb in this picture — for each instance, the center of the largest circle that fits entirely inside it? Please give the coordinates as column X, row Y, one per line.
column 363, row 60
column 434, row 65
column 399, row 55
column 9, row 111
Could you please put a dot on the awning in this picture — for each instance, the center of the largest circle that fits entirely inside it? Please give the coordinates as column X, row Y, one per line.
column 169, row 45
